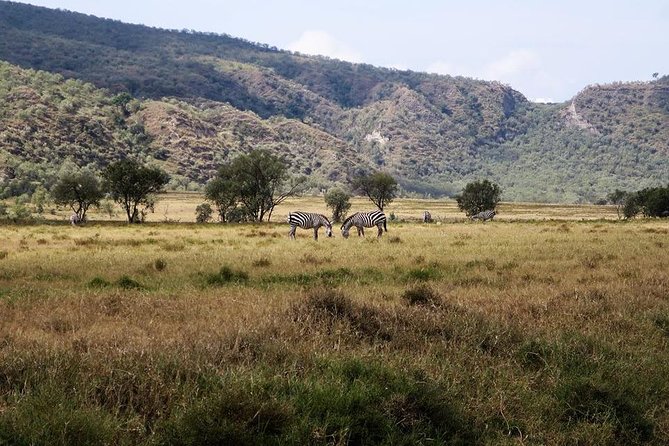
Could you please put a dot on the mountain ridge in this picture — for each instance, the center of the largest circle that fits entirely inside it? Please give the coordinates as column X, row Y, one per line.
column 433, row 132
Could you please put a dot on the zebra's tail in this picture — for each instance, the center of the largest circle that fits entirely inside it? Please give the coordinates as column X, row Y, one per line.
column 384, row 226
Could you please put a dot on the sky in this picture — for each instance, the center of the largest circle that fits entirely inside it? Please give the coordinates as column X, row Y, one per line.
column 547, row 49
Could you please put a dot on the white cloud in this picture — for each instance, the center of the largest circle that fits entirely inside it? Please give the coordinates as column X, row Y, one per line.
column 543, row 100
column 515, row 63
column 324, row 44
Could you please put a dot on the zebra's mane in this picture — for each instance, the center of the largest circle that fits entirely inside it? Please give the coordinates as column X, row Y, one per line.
column 348, row 219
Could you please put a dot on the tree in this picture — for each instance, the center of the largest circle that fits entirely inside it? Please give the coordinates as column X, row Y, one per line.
column 479, row 196
column 132, row 185
column 253, row 183
column 338, row 201
column 223, row 191
column 79, row 190
column 379, row 187
column 203, row 213
column 618, row 198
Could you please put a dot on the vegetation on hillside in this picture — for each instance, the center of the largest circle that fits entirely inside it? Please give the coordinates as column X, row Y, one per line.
column 200, row 98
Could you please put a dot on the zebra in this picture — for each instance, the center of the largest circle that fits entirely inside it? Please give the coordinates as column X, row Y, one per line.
column 363, row 220
column 485, row 215
column 75, row 220
column 427, row 217
column 307, row 220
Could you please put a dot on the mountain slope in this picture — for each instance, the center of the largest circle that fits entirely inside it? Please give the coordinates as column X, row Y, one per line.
column 330, row 118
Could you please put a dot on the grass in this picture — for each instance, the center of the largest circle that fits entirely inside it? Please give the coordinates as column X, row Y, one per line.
column 519, row 331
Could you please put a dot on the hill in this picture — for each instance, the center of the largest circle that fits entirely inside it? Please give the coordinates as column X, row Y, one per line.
column 200, row 98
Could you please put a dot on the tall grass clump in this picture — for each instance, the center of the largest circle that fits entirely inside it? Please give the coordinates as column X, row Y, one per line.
column 421, row 295
column 227, row 275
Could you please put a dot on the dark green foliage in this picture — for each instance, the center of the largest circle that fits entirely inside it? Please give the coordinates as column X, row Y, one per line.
column 78, row 190
column 339, row 201
column 379, row 187
column 132, row 185
column 252, row 182
column 227, row 275
column 203, row 213
column 160, row 264
column 128, row 283
column 370, row 117
column 479, row 196
column 652, row 202
column 98, row 282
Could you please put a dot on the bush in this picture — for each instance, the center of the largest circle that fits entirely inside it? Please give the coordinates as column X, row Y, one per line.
column 338, row 201
column 227, row 275
column 160, row 264
column 479, row 196
column 128, row 283
column 203, row 213
column 421, row 295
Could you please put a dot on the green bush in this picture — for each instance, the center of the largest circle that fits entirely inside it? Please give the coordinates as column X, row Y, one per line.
column 227, row 275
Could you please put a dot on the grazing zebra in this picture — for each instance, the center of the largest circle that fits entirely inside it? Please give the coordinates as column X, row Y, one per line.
column 75, row 220
column 363, row 220
column 485, row 215
column 306, row 220
column 427, row 217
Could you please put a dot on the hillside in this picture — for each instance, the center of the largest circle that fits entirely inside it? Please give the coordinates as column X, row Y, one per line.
column 201, row 98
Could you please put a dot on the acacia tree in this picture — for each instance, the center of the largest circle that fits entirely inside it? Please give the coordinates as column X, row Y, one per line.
column 338, row 201
column 132, row 185
column 618, row 197
column 258, row 181
column 223, row 191
column 379, row 187
column 78, row 190
column 479, row 196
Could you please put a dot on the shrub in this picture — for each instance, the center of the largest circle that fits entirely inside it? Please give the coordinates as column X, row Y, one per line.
column 160, row 264
column 421, row 295
column 203, row 213
column 479, row 196
column 128, row 283
column 227, row 275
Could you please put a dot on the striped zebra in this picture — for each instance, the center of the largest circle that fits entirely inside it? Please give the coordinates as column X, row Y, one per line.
column 363, row 220
column 307, row 220
column 427, row 217
column 75, row 220
column 485, row 215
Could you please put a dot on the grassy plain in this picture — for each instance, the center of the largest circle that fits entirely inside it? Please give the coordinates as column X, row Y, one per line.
column 525, row 330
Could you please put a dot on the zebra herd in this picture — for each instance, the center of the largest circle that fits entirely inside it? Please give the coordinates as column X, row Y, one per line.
column 361, row 220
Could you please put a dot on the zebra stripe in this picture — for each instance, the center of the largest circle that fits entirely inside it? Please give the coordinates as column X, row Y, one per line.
column 75, row 220
column 363, row 220
column 307, row 220
column 485, row 215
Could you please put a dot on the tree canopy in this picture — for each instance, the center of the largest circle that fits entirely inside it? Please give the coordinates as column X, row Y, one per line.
column 254, row 183
column 132, row 185
column 379, row 187
column 479, row 196
column 78, row 190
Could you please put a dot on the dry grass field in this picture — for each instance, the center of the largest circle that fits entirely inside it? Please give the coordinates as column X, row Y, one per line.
column 547, row 326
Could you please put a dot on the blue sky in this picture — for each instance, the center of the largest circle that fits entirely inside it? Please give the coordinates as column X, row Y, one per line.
column 548, row 50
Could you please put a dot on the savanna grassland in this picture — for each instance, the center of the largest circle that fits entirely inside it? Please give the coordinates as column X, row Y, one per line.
column 516, row 331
